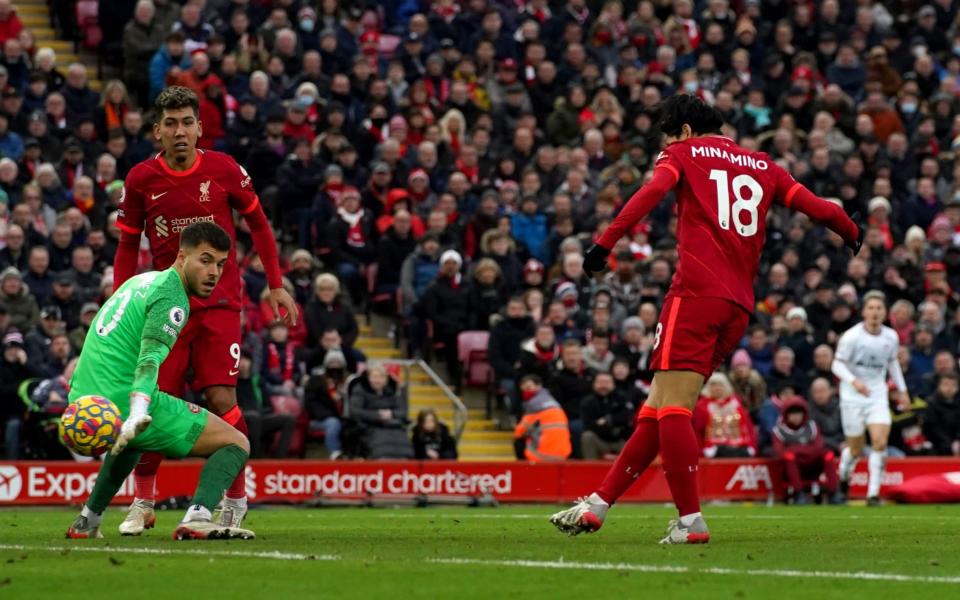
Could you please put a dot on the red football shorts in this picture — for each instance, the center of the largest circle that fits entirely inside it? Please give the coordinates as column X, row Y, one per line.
column 209, row 346
column 697, row 334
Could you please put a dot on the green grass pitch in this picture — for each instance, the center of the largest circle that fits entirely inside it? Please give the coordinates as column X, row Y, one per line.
column 895, row 552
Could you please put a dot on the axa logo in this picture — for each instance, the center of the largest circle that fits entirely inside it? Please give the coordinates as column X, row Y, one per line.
column 750, row 477
column 161, row 224
column 250, row 482
column 10, row 483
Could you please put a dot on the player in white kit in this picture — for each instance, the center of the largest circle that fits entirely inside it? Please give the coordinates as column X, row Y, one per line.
column 866, row 358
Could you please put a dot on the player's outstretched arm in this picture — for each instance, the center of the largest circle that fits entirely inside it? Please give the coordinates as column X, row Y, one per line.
column 799, row 198
column 639, row 206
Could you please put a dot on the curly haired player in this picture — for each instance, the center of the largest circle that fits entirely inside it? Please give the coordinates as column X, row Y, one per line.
column 723, row 194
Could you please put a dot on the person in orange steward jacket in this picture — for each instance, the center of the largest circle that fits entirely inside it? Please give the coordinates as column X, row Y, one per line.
column 543, row 433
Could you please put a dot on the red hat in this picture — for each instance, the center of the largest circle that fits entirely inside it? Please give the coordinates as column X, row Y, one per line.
column 641, row 227
column 396, row 195
column 350, row 190
column 802, row 72
column 417, row 173
column 370, row 37
column 533, row 266
column 935, row 267
column 197, row 51
column 508, row 64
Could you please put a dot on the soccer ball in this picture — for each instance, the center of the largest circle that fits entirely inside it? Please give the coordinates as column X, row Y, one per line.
column 90, row 425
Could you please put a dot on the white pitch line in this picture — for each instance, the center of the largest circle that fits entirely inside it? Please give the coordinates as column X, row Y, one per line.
column 585, row 566
column 170, row 552
column 708, row 516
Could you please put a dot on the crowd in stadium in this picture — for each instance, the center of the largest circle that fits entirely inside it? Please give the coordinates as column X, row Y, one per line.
column 449, row 162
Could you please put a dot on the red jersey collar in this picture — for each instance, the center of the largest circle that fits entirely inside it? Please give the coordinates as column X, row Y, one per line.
column 169, row 171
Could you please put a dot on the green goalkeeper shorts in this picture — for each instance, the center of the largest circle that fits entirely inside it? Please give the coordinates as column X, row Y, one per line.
column 176, row 426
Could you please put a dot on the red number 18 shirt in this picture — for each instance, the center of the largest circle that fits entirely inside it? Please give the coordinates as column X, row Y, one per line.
column 723, row 195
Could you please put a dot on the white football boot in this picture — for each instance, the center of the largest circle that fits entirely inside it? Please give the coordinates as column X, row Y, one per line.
column 586, row 516
column 139, row 517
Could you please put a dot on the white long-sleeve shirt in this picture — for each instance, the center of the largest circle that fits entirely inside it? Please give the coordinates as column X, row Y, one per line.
column 871, row 358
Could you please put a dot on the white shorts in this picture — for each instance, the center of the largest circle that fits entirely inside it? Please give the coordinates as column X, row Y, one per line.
column 855, row 416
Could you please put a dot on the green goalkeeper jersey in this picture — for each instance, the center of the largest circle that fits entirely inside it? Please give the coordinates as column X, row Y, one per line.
column 130, row 337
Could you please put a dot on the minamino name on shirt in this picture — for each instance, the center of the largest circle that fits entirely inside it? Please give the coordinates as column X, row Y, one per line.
column 741, row 160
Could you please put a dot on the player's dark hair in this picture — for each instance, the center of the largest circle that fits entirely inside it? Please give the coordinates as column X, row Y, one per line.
column 205, row 232
column 684, row 108
column 176, row 97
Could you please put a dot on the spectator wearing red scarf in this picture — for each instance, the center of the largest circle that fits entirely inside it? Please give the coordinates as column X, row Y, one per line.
column 879, row 216
column 353, row 241
column 445, row 304
column 539, row 354
column 281, row 369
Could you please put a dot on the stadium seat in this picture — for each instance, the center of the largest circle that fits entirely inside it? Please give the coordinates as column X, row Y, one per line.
column 477, row 372
column 87, row 20
column 472, row 350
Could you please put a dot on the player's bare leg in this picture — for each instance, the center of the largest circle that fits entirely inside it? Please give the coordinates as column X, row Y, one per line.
column 226, row 450
column 222, row 401
column 588, row 513
column 848, row 461
column 877, row 461
column 680, row 454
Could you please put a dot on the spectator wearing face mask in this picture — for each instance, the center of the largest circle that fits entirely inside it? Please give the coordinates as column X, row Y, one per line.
column 542, row 435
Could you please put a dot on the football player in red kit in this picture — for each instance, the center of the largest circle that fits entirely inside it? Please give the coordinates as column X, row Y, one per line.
column 723, row 194
column 162, row 196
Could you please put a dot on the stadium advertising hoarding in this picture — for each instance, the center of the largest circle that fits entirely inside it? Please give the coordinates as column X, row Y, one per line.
column 295, row 481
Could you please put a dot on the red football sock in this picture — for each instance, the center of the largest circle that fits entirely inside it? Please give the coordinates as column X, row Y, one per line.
column 680, row 453
column 237, row 489
column 636, row 456
column 145, row 476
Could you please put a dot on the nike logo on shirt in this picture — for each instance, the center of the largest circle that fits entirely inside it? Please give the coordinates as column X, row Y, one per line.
column 155, row 196
column 234, row 372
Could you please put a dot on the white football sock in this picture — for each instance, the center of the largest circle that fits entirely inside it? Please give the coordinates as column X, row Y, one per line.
column 875, row 465
column 687, row 520
column 197, row 513
column 595, row 499
column 92, row 517
column 848, row 463
column 235, row 502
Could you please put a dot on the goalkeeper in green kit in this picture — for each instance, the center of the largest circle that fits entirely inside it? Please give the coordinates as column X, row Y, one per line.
column 129, row 338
